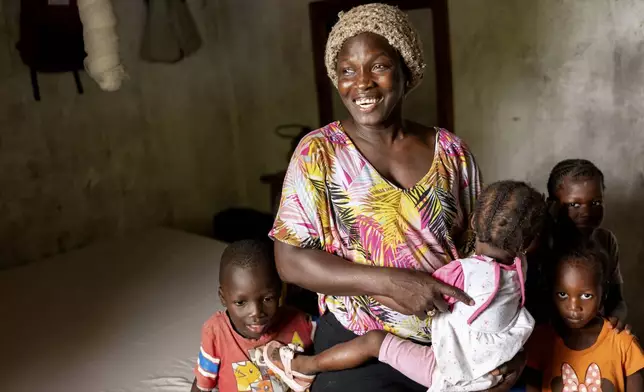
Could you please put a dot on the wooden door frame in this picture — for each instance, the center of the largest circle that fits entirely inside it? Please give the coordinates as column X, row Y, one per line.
column 324, row 14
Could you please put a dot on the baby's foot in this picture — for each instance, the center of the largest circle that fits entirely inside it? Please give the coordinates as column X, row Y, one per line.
column 279, row 358
column 273, row 353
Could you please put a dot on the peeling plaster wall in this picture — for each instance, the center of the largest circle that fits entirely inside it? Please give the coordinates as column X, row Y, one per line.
column 75, row 168
column 540, row 81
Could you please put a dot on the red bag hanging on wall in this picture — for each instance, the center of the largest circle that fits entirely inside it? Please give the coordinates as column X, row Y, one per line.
column 51, row 39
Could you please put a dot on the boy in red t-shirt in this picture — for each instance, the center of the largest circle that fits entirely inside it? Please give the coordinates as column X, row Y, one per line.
column 231, row 341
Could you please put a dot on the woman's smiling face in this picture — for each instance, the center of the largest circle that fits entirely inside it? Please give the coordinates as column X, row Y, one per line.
column 371, row 79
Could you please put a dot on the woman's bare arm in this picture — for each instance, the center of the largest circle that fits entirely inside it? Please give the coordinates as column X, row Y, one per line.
column 391, row 304
column 322, row 272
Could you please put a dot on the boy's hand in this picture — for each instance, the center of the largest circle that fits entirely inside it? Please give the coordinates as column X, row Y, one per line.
column 619, row 325
column 194, row 387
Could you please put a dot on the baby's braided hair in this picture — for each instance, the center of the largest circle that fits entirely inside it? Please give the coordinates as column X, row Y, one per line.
column 573, row 168
column 509, row 215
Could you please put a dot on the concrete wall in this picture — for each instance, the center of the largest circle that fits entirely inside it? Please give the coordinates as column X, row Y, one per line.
column 176, row 144
column 76, row 168
column 539, row 81
column 268, row 47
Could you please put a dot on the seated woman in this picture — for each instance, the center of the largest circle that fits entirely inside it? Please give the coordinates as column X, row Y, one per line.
column 372, row 205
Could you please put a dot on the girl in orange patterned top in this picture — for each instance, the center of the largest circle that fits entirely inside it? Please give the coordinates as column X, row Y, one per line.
column 580, row 352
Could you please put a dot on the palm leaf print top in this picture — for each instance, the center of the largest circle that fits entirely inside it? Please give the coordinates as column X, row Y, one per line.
column 334, row 200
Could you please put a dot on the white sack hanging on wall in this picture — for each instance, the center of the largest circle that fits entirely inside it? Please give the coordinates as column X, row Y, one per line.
column 102, row 63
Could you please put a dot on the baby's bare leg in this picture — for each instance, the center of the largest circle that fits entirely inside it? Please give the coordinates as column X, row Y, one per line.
column 343, row 356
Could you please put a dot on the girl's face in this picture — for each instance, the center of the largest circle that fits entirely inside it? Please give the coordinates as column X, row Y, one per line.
column 371, row 80
column 577, row 294
column 582, row 200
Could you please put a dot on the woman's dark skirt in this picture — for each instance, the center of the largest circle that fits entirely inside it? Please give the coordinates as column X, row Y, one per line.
column 374, row 376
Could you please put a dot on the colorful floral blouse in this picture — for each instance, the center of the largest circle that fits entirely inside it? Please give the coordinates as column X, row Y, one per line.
column 334, row 200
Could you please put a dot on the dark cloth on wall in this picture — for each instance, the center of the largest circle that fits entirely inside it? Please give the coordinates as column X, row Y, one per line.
column 170, row 32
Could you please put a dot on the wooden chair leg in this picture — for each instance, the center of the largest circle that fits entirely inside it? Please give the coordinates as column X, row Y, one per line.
column 34, row 84
column 79, row 85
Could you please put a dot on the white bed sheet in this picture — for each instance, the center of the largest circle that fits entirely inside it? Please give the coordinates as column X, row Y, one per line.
column 120, row 316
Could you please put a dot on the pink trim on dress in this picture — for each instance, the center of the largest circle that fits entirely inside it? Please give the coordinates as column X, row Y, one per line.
column 519, row 264
column 497, row 281
column 451, row 274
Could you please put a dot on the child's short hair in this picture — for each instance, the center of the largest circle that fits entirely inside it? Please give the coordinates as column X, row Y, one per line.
column 248, row 254
column 585, row 252
column 574, row 168
column 509, row 215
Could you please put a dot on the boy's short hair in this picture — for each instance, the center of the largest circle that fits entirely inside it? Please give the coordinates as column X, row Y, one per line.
column 250, row 253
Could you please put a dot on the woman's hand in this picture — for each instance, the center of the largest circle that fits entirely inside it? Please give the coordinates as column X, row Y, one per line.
column 393, row 305
column 510, row 371
column 617, row 310
column 619, row 325
column 418, row 293
column 410, row 292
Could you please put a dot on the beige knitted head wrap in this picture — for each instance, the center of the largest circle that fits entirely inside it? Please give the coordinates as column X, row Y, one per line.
column 386, row 21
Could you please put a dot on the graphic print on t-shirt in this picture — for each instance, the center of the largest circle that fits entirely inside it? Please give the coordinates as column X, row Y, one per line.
column 570, row 382
column 246, row 374
column 297, row 340
column 255, row 376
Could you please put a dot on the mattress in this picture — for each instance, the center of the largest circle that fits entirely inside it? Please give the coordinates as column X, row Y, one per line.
column 119, row 316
